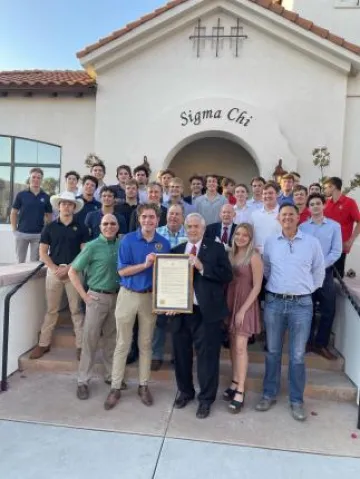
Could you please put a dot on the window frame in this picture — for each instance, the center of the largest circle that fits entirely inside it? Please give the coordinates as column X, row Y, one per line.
column 346, row 3
column 13, row 165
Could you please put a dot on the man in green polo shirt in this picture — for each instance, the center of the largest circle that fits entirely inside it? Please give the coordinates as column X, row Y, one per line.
column 99, row 259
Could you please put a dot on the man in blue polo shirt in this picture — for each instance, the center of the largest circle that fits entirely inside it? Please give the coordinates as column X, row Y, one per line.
column 135, row 266
column 93, row 219
column 89, row 186
column 28, row 212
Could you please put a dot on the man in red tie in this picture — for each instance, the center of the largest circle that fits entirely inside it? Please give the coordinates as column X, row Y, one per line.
column 202, row 328
column 223, row 231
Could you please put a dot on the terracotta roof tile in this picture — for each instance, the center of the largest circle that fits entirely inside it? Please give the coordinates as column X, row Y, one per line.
column 268, row 4
column 41, row 78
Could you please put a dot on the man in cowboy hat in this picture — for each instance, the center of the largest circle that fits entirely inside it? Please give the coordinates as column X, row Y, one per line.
column 61, row 241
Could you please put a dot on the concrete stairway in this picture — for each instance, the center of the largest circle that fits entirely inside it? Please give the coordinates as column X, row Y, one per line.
column 325, row 379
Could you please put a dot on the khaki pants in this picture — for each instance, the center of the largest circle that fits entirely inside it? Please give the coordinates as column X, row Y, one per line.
column 128, row 305
column 99, row 317
column 54, row 288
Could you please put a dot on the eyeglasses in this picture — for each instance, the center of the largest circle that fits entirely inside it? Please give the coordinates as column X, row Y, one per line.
column 110, row 223
column 291, row 246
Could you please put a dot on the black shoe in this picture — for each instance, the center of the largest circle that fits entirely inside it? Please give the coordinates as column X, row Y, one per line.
column 82, row 391
column 182, row 401
column 229, row 393
column 203, row 411
column 236, row 406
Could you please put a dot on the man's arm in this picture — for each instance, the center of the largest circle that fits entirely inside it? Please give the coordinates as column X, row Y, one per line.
column 125, row 261
column 45, row 258
column 13, row 218
column 79, row 264
column 336, row 247
column 318, row 265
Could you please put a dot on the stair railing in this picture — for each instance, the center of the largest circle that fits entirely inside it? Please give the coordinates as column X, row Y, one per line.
column 5, row 343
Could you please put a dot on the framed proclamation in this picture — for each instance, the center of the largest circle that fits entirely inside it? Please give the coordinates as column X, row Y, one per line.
column 173, row 290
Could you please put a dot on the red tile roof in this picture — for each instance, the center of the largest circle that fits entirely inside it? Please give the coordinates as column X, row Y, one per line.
column 45, row 78
column 268, row 4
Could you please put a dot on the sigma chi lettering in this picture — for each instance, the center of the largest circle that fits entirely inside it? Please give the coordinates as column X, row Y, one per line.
column 235, row 115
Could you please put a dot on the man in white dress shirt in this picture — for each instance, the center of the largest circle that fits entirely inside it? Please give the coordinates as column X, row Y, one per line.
column 241, row 208
column 265, row 220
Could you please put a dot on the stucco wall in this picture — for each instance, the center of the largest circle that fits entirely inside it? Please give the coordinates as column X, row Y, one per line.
column 66, row 122
column 328, row 14
column 288, row 94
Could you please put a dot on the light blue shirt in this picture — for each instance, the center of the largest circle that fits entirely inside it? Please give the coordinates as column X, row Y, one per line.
column 187, row 207
column 328, row 232
column 173, row 238
column 293, row 267
column 255, row 204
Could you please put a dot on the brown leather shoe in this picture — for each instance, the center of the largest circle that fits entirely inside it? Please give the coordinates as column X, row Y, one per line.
column 325, row 353
column 145, row 395
column 112, row 399
column 156, row 364
column 78, row 353
column 39, row 351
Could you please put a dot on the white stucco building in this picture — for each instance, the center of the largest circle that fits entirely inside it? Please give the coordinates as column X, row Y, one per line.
column 223, row 86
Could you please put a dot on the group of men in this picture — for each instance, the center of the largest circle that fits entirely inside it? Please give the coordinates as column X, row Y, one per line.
column 102, row 253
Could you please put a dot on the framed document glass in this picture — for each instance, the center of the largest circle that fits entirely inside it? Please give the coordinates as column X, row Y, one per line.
column 173, row 284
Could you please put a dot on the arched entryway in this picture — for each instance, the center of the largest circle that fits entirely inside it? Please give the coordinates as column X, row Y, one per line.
column 217, row 155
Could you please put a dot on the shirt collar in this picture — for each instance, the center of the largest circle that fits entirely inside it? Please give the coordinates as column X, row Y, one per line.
column 140, row 236
column 299, row 235
column 226, row 226
column 102, row 238
column 276, row 209
column 324, row 220
column 180, row 232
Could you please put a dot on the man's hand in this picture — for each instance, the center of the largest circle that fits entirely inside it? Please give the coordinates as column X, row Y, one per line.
column 194, row 261
column 149, row 261
column 89, row 298
column 62, row 271
column 347, row 245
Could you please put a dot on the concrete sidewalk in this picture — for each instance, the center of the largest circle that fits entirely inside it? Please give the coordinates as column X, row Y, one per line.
column 38, row 451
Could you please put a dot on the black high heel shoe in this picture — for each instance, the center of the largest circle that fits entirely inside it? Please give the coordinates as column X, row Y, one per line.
column 229, row 393
column 236, row 406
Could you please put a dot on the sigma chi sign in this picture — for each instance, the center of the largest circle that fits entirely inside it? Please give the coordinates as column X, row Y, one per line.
column 236, row 115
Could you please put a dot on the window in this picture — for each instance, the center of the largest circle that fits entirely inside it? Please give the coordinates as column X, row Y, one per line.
column 347, row 3
column 17, row 157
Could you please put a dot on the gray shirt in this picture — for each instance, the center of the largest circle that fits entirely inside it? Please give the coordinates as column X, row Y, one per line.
column 210, row 208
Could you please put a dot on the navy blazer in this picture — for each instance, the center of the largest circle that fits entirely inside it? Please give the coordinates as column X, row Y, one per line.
column 214, row 230
column 209, row 286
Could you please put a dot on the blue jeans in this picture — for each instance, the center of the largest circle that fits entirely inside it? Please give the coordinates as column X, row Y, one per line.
column 158, row 342
column 279, row 315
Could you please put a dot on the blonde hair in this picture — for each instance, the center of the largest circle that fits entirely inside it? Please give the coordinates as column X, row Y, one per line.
column 250, row 249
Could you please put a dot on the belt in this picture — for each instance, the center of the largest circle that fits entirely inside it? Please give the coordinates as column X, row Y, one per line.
column 103, row 291
column 290, row 297
column 145, row 291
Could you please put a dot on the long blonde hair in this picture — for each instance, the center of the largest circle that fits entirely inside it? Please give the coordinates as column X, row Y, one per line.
column 250, row 249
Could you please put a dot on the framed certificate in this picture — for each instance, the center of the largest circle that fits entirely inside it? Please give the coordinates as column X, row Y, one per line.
column 173, row 289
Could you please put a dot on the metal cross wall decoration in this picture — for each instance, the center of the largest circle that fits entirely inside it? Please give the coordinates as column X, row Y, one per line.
column 217, row 37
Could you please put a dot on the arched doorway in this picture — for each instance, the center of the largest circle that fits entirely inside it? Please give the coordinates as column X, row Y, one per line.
column 217, row 155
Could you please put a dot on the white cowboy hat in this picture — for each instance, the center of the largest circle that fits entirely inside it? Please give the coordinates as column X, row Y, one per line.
column 66, row 196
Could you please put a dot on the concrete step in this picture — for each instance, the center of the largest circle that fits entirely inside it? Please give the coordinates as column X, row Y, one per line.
column 64, row 338
column 321, row 384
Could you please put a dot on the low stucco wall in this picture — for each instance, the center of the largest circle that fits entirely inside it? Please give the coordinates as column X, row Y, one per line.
column 27, row 309
column 347, row 330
